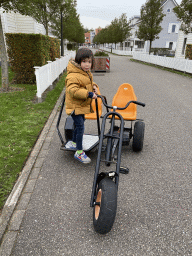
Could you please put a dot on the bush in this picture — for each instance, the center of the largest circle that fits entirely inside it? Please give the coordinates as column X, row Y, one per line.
column 163, row 52
column 54, row 49
column 188, row 52
column 69, row 47
column 72, row 47
column 101, row 53
column 28, row 50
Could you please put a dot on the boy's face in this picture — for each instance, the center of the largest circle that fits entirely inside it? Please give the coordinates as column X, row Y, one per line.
column 86, row 64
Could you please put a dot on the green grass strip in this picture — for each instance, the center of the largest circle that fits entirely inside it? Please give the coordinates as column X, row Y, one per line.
column 21, row 121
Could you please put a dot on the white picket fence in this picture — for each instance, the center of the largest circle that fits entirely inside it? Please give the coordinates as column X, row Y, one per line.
column 119, row 52
column 122, row 52
column 47, row 74
column 180, row 64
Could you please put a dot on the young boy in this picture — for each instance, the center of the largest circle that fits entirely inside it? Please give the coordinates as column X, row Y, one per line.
column 80, row 90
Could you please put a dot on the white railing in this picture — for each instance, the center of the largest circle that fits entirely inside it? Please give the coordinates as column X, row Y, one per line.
column 119, row 52
column 180, row 64
column 124, row 51
column 47, row 74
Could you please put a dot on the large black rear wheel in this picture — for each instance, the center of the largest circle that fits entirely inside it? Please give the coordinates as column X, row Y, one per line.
column 138, row 136
column 104, row 211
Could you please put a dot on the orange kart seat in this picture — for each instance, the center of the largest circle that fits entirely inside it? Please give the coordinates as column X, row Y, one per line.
column 124, row 94
column 93, row 116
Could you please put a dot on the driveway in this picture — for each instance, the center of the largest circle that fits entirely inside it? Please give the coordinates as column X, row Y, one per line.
column 154, row 210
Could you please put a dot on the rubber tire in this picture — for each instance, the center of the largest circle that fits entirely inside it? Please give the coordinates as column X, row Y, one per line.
column 108, row 152
column 138, row 136
column 68, row 135
column 104, row 215
column 69, row 128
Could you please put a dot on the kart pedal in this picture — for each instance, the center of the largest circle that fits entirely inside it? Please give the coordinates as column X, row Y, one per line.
column 124, row 170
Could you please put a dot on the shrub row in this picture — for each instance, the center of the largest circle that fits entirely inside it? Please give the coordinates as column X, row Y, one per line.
column 28, row 50
column 188, row 52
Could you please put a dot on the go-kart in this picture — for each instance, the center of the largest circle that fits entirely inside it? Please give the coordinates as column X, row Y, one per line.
column 109, row 143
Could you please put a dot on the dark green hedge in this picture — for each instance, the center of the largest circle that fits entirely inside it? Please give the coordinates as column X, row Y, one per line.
column 188, row 52
column 28, row 50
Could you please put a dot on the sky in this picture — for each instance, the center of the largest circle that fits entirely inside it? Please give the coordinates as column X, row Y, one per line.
column 95, row 13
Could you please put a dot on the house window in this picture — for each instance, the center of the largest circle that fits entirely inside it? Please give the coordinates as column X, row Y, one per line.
column 184, row 44
column 170, row 45
column 173, row 28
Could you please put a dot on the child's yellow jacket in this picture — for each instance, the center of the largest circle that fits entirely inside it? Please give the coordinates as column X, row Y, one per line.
column 78, row 84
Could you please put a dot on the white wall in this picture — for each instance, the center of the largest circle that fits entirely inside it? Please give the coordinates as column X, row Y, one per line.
column 180, row 41
column 17, row 23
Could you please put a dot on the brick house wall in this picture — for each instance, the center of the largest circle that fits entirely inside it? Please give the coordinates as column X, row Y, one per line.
column 87, row 38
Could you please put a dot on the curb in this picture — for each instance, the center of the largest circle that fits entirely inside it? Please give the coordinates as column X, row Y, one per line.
column 16, row 204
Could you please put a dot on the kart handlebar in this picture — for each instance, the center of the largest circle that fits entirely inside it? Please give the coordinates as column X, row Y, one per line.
column 112, row 107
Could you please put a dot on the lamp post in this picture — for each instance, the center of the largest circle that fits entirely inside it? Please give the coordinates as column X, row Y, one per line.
column 62, row 49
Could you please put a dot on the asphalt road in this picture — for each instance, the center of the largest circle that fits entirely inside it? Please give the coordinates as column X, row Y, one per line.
column 154, row 210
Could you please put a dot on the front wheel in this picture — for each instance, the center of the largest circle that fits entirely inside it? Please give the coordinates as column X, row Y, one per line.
column 104, row 211
column 138, row 136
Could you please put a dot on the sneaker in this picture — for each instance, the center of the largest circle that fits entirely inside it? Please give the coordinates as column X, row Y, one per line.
column 70, row 144
column 83, row 158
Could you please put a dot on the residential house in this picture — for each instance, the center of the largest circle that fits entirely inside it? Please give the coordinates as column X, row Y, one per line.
column 87, row 39
column 92, row 35
column 167, row 37
column 133, row 41
column 89, row 36
column 97, row 30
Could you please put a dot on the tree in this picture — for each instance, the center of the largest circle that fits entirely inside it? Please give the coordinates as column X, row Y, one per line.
column 43, row 10
column 72, row 28
column 40, row 10
column 58, row 18
column 4, row 63
column 150, row 19
column 86, row 30
column 124, row 28
column 16, row 6
column 184, row 13
column 116, row 32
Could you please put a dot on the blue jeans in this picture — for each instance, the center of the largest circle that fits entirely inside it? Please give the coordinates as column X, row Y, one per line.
column 79, row 130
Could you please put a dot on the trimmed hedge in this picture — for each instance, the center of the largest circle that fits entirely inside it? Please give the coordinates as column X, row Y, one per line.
column 69, row 47
column 163, row 51
column 101, row 53
column 55, row 48
column 188, row 52
column 28, row 50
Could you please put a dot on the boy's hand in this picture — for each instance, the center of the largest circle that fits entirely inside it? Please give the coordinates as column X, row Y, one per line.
column 95, row 89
